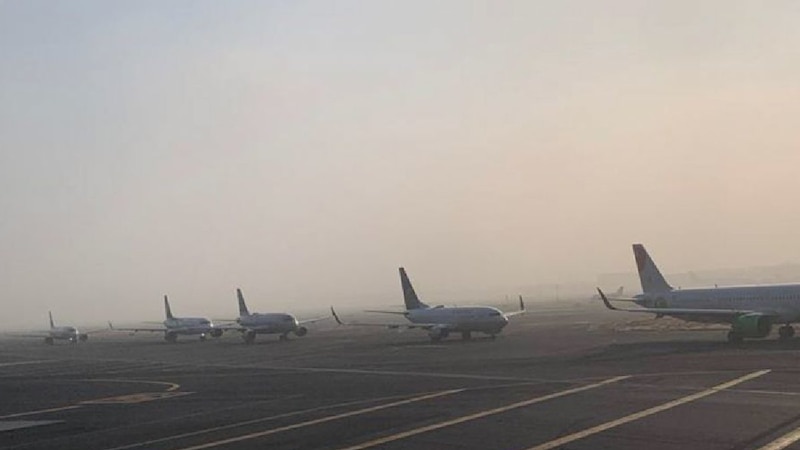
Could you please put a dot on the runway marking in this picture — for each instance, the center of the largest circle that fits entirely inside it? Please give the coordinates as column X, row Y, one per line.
column 41, row 411
column 131, row 399
column 458, row 420
column 171, row 387
column 783, row 441
column 295, row 426
column 647, row 412
column 123, row 399
column 247, row 422
column 24, row 363
column 22, row 424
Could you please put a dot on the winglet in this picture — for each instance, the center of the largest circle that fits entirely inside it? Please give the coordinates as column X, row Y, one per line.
column 605, row 300
column 521, row 303
column 336, row 316
column 110, row 325
column 52, row 325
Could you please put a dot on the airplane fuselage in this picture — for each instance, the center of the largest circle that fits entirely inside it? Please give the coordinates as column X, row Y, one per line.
column 484, row 319
column 780, row 300
column 64, row 333
column 189, row 326
column 268, row 323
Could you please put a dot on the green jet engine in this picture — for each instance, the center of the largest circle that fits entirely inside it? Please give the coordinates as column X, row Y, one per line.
column 753, row 325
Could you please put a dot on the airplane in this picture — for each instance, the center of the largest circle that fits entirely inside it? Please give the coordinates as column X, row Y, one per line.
column 62, row 333
column 251, row 324
column 440, row 320
column 175, row 326
column 750, row 310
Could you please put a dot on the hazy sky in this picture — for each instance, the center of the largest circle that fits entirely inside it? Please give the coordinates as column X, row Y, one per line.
column 304, row 150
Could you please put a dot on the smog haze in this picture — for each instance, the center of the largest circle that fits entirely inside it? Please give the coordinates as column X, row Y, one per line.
column 304, row 150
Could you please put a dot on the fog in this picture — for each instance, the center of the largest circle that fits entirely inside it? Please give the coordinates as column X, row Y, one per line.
column 304, row 150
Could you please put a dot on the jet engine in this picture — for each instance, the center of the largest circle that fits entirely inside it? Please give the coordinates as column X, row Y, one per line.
column 752, row 325
column 301, row 331
column 216, row 332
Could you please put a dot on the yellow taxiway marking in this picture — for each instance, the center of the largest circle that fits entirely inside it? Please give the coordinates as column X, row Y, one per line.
column 489, row 412
column 323, row 420
column 783, row 441
column 647, row 412
column 41, row 411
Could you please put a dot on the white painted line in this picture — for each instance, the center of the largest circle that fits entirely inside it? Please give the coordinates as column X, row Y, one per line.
column 295, row 426
column 648, row 412
column 783, row 441
column 25, row 363
column 21, row 424
column 41, row 411
column 247, row 422
column 171, row 387
column 132, row 399
column 489, row 412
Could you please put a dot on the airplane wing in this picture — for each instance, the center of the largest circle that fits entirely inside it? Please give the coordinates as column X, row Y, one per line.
column 35, row 334
column 521, row 309
column 720, row 313
column 317, row 319
column 137, row 329
column 392, row 326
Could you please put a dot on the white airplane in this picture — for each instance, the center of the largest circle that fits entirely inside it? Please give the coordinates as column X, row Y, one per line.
column 175, row 326
column 62, row 333
column 251, row 324
column 440, row 321
column 750, row 310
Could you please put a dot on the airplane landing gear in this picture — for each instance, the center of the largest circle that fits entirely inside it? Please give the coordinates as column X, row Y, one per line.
column 785, row 332
column 735, row 338
column 171, row 338
column 249, row 337
column 48, row 341
column 203, row 337
column 283, row 337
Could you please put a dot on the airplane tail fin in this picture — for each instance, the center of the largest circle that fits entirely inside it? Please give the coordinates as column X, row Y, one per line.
column 409, row 296
column 52, row 325
column 167, row 309
column 649, row 275
column 619, row 291
column 242, row 306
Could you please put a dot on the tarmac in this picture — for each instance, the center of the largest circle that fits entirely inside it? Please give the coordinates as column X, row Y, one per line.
column 577, row 377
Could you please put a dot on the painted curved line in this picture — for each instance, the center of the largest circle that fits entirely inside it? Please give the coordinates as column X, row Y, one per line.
column 171, row 387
